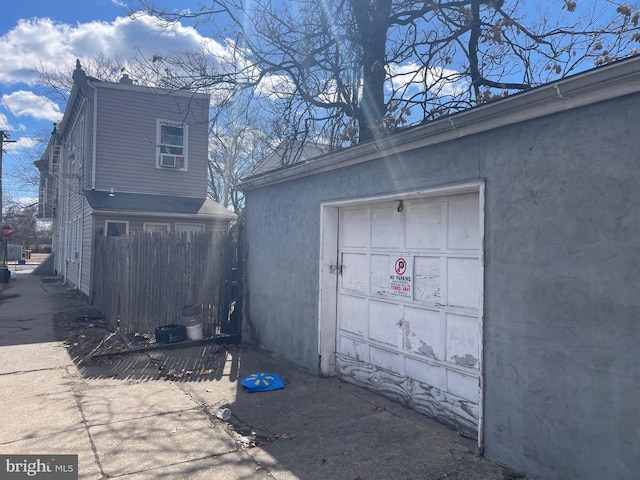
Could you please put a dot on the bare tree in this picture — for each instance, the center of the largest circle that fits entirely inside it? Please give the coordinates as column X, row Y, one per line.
column 23, row 221
column 366, row 67
column 238, row 141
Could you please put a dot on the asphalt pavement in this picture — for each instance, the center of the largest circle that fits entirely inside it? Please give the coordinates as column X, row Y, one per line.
column 152, row 415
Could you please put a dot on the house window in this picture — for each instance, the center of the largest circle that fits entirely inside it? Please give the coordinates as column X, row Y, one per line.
column 172, row 146
column 153, row 227
column 115, row 229
column 189, row 227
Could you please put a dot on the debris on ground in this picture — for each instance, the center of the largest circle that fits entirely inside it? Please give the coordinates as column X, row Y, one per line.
column 86, row 334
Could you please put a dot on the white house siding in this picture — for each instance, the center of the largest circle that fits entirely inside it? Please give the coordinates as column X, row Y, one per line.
column 126, row 146
column 70, row 226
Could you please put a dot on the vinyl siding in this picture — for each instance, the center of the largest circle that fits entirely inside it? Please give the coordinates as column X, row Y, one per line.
column 70, row 225
column 86, row 252
column 126, row 141
column 87, row 143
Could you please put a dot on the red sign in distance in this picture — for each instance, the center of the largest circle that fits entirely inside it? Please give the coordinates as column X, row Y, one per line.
column 6, row 231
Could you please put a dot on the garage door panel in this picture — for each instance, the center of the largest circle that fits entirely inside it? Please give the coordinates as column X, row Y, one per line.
column 463, row 386
column 384, row 322
column 355, row 272
column 354, row 228
column 353, row 314
column 354, row 349
column 387, row 228
column 422, row 347
column 464, row 217
column 424, row 333
column 427, row 280
column 463, row 282
column 425, row 224
column 426, row 373
column 386, row 359
column 380, row 275
column 462, row 340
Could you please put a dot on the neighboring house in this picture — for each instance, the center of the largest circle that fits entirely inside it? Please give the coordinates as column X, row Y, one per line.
column 482, row 269
column 125, row 159
column 290, row 152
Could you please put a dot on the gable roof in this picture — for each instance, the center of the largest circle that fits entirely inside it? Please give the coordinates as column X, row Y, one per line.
column 144, row 204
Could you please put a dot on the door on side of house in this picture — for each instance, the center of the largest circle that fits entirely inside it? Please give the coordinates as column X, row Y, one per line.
column 409, row 303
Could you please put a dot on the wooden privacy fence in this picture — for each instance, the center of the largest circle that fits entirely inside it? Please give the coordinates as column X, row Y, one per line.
column 142, row 281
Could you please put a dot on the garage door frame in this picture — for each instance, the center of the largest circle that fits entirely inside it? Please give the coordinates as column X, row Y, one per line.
column 328, row 268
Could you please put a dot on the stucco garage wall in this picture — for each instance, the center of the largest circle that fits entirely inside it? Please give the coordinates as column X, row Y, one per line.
column 562, row 302
column 562, row 299
column 283, row 238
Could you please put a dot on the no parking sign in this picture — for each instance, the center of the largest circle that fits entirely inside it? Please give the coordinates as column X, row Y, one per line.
column 401, row 276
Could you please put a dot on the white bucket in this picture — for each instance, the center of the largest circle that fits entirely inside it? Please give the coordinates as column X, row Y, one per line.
column 194, row 332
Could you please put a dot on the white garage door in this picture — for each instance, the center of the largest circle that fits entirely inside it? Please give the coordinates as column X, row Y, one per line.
column 409, row 303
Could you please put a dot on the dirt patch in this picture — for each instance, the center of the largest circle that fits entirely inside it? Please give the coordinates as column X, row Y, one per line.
column 87, row 335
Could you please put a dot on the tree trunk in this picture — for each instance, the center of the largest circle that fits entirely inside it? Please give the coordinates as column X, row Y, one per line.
column 372, row 19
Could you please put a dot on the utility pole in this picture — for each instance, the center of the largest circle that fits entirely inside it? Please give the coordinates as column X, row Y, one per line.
column 4, row 138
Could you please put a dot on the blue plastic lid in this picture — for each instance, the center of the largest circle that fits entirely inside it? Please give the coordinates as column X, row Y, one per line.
column 262, row 382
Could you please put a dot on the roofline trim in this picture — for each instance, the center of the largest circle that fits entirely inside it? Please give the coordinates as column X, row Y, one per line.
column 586, row 88
column 194, row 216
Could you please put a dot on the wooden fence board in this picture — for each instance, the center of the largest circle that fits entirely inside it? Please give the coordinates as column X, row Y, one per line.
column 144, row 280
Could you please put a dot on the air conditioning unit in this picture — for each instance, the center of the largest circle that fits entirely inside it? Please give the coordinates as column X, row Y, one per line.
column 168, row 161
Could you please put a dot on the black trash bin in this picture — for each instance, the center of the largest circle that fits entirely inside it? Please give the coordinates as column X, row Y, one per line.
column 5, row 274
column 171, row 333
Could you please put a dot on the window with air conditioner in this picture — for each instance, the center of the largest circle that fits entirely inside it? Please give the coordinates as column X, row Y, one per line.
column 172, row 146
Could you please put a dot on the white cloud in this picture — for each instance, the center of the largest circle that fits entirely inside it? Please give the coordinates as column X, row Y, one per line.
column 22, row 103
column 275, row 86
column 25, row 143
column 41, row 42
column 414, row 76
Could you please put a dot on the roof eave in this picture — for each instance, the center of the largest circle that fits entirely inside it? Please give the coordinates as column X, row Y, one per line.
column 599, row 84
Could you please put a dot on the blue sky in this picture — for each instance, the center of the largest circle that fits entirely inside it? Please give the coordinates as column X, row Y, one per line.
column 53, row 34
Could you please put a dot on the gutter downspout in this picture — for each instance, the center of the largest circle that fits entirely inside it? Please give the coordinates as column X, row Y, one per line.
column 81, row 244
column 66, row 223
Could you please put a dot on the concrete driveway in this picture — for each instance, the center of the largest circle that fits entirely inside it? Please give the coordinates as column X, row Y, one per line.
column 152, row 415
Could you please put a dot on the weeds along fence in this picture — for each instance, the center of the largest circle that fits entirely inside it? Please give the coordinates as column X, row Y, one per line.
column 142, row 281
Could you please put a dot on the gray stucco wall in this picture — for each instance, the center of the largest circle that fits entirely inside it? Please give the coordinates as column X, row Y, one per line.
column 562, row 288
